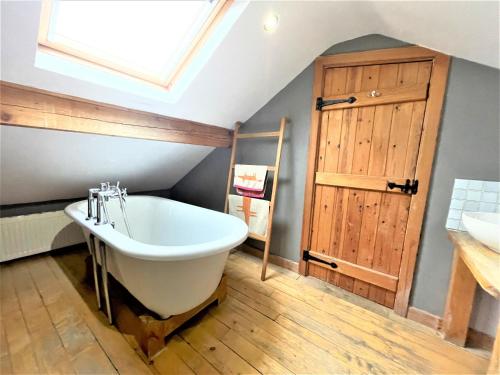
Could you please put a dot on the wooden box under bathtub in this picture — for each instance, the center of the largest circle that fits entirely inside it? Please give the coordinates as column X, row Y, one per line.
column 149, row 330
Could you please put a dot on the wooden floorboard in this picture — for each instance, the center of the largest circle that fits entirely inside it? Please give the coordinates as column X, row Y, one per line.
column 288, row 324
column 48, row 346
column 120, row 353
column 399, row 343
column 18, row 340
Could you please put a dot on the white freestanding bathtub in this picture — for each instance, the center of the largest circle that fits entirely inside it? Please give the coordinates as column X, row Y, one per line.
column 177, row 253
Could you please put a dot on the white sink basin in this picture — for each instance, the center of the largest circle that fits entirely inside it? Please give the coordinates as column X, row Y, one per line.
column 484, row 227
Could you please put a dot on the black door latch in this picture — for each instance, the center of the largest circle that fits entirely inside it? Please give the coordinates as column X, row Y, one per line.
column 306, row 256
column 410, row 187
column 320, row 103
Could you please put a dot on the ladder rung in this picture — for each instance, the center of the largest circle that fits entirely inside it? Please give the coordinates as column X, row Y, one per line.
column 257, row 135
column 270, row 168
column 256, row 236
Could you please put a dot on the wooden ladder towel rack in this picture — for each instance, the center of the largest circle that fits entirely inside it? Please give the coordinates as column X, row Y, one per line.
column 271, row 168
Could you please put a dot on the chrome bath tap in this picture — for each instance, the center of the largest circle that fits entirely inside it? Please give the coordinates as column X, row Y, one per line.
column 97, row 210
column 97, row 198
column 90, row 202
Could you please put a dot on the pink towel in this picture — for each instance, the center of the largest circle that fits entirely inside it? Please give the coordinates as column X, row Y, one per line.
column 250, row 193
column 250, row 180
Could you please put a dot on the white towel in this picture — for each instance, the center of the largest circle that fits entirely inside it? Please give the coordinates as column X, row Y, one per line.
column 250, row 177
column 254, row 212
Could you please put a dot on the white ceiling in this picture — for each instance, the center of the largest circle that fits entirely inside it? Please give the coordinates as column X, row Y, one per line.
column 245, row 72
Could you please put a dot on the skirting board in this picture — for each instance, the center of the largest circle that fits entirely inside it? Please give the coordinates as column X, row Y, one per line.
column 274, row 259
column 425, row 318
column 475, row 339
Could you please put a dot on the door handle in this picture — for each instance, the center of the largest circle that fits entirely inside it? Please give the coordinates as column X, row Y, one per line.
column 306, row 257
column 320, row 103
column 374, row 94
column 410, row 187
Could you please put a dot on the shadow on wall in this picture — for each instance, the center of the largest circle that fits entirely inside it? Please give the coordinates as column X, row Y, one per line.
column 71, row 234
column 205, row 184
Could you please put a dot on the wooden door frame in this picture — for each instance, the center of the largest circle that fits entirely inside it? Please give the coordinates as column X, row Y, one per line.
column 430, row 131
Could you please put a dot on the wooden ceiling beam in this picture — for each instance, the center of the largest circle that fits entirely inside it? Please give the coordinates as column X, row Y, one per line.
column 34, row 108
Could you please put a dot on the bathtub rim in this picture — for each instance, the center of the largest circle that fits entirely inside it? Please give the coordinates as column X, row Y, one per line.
column 141, row 250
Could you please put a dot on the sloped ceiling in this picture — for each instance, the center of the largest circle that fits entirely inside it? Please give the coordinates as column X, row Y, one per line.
column 244, row 73
column 38, row 165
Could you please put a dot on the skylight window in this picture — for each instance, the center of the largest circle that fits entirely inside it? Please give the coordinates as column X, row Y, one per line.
column 153, row 41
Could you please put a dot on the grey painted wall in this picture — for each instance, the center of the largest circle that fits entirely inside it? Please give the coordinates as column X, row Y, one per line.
column 468, row 148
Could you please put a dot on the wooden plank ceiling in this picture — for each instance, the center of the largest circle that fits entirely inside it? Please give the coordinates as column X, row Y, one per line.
column 34, row 108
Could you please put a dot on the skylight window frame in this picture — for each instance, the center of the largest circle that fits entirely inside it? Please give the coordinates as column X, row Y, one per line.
column 60, row 49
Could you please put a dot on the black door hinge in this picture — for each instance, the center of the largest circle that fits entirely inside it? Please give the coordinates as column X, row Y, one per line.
column 410, row 187
column 320, row 103
column 306, row 257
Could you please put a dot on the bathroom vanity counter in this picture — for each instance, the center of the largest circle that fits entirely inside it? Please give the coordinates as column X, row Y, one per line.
column 482, row 262
column 473, row 264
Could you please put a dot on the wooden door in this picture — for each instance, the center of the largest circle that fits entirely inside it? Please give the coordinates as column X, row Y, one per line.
column 358, row 225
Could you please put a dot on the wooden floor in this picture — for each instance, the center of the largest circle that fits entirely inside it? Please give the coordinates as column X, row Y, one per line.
column 288, row 324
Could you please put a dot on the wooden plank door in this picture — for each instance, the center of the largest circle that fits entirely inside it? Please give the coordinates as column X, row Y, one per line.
column 358, row 224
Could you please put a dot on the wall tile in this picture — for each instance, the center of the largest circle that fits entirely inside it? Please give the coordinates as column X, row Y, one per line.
column 452, row 224
column 475, row 185
column 455, row 214
column 491, row 186
column 489, row 197
column 471, row 206
column 457, row 204
column 487, row 207
column 472, row 196
column 459, row 194
column 461, row 184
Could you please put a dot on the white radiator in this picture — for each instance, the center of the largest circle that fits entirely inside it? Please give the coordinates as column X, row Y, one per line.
column 21, row 236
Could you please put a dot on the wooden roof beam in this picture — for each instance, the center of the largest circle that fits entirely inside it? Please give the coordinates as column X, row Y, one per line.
column 34, row 108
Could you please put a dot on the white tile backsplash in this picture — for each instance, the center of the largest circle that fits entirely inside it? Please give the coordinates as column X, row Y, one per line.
column 455, row 214
column 452, row 224
column 472, row 196
column 457, row 204
column 461, row 184
column 487, row 207
column 470, row 206
column 489, row 196
column 491, row 186
column 475, row 185
column 459, row 193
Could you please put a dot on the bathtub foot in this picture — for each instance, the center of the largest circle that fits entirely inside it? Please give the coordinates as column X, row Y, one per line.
column 94, row 269
column 104, row 274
